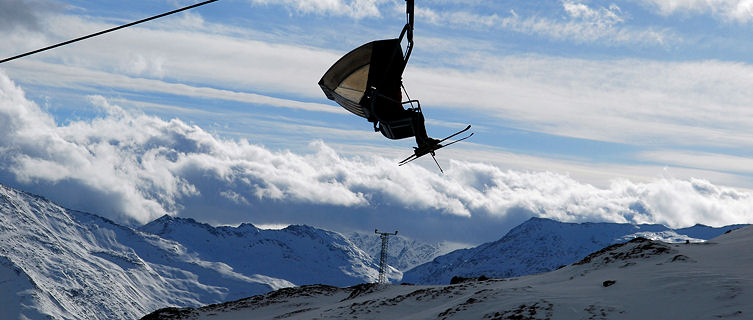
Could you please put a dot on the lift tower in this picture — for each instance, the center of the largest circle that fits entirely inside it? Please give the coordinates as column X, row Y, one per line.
column 383, row 255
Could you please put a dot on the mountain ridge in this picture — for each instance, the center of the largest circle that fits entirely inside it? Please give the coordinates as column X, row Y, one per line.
column 309, row 252
column 66, row 264
column 540, row 245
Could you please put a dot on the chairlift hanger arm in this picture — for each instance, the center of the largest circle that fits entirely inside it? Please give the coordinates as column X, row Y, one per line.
column 408, row 29
column 409, row 13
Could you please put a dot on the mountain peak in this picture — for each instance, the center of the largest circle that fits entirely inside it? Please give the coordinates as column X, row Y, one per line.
column 165, row 218
column 168, row 224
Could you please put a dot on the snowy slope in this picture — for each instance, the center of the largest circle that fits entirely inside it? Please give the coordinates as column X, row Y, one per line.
column 402, row 253
column 32, row 303
column 540, row 245
column 640, row 279
column 300, row 254
column 73, row 265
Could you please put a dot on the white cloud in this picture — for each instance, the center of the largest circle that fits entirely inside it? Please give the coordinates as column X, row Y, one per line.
column 600, row 174
column 630, row 101
column 668, row 201
column 136, row 167
column 16, row 15
column 353, row 8
column 584, row 24
column 598, row 100
column 178, row 53
column 272, row 226
column 62, row 76
column 600, row 17
column 731, row 10
column 706, row 160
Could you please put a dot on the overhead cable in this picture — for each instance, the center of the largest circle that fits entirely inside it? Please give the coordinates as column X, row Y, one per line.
column 106, row 31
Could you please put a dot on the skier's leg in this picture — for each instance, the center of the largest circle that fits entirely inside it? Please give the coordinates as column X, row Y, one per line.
column 419, row 128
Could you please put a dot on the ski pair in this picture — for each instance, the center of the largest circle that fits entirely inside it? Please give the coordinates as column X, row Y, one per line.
column 422, row 151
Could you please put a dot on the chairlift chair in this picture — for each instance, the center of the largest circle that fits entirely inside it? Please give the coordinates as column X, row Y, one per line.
column 367, row 81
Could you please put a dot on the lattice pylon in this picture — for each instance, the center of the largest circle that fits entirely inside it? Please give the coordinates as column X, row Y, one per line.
column 383, row 255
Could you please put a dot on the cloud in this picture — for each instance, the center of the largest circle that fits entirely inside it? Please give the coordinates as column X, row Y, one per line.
column 24, row 14
column 730, row 10
column 61, row 76
column 720, row 162
column 134, row 167
column 601, row 18
column 356, row 9
column 583, row 24
column 173, row 52
column 603, row 100
column 557, row 196
column 628, row 101
column 24, row 25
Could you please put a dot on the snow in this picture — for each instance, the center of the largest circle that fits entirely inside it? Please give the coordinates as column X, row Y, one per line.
column 540, row 245
column 66, row 264
column 20, row 296
column 299, row 254
column 640, row 279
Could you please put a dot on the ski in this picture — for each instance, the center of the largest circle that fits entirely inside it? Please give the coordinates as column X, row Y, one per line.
column 420, row 152
column 455, row 134
column 458, row 140
column 408, row 159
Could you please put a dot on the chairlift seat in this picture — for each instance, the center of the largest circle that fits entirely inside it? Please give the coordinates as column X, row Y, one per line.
column 397, row 129
column 367, row 81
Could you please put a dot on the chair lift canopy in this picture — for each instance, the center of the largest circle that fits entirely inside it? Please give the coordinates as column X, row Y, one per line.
column 369, row 72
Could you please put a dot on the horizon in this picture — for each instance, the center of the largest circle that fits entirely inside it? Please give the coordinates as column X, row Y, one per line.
column 629, row 111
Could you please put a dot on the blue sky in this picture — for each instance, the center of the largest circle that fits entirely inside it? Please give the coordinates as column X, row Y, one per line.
column 628, row 111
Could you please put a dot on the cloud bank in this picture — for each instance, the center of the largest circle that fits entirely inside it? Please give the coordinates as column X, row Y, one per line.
column 135, row 167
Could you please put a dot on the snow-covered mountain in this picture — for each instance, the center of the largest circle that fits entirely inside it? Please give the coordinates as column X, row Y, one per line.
column 402, row 253
column 298, row 253
column 66, row 264
column 540, row 245
column 639, row 279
